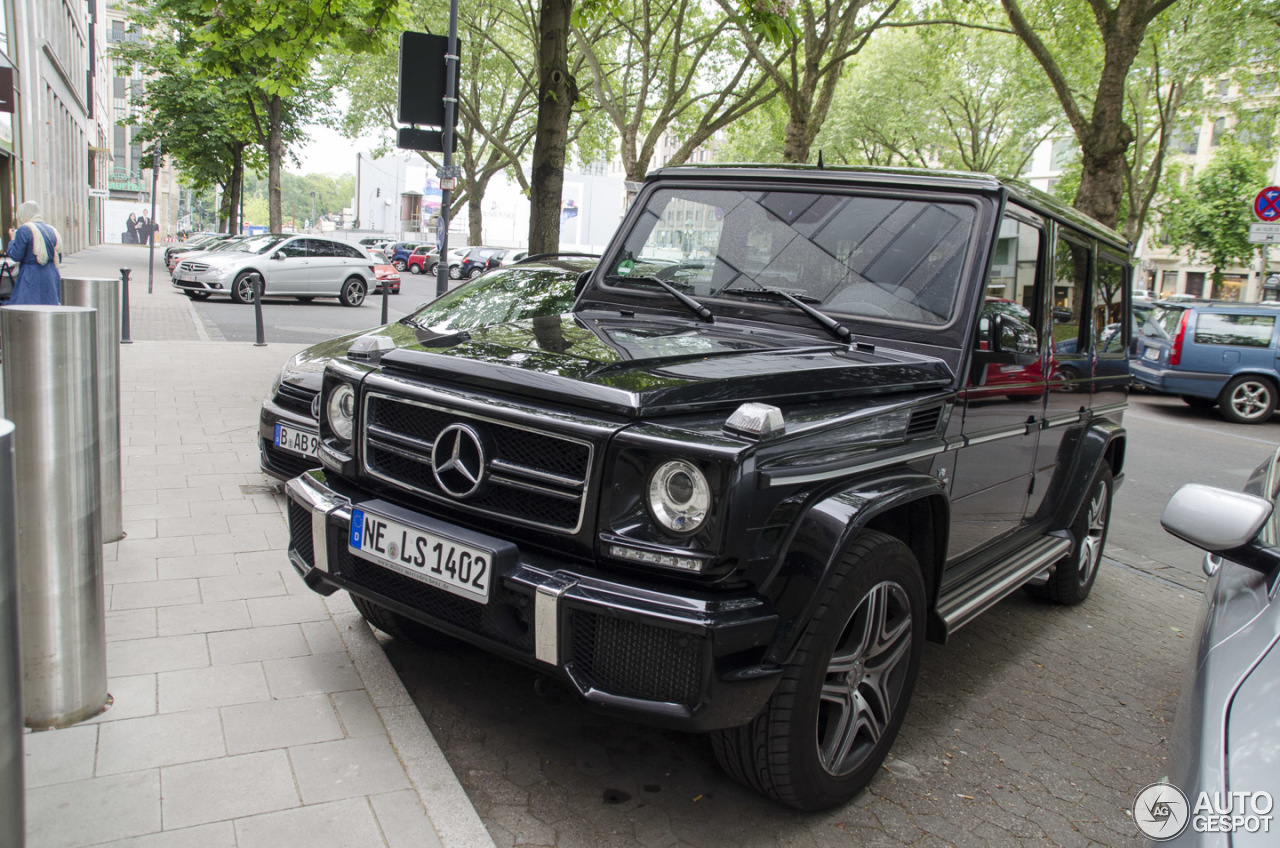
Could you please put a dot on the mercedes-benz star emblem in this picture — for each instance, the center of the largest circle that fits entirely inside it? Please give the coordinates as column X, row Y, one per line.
column 458, row 461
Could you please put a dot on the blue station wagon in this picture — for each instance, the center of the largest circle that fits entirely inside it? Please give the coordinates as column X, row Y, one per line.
column 1209, row 354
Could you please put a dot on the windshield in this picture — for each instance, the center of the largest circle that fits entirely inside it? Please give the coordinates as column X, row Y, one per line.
column 259, row 244
column 500, row 296
column 866, row 256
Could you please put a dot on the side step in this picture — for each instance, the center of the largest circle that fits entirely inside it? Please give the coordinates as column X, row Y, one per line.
column 968, row 600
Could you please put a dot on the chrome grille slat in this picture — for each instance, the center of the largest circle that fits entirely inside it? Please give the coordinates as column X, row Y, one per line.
column 535, row 477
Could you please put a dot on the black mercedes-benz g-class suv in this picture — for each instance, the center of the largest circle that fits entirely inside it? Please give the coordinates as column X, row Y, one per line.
column 798, row 421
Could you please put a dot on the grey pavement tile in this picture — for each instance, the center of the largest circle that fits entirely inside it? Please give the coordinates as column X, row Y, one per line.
column 335, row 825
column 202, row 618
column 59, row 756
column 195, row 525
column 134, row 570
column 160, row 740
column 323, row 637
column 201, row 565
column 131, row 697
column 106, row 809
column 227, row 508
column 135, row 497
column 155, row 593
column 194, row 495
column 264, row 561
column 216, row 686
column 231, row 543
column 348, row 768
column 358, row 715
column 314, row 675
column 403, row 820
column 168, row 509
column 216, row 835
column 227, row 788
column 290, row 609
column 155, row 548
column 215, row 479
column 140, row 528
column 262, row 643
column 238, row 586
column 280, row 724
column 131, row 624
column 164, row 653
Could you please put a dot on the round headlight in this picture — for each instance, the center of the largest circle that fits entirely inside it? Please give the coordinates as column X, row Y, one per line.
column 679, row 496
column 341, row 410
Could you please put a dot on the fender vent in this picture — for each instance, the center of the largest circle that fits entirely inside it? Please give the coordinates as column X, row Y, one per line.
column 923, row 421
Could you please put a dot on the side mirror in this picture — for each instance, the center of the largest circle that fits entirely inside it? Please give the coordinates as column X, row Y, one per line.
column 279, row 254
column 1010, row 342
column 1222, row 523
column 581, row 284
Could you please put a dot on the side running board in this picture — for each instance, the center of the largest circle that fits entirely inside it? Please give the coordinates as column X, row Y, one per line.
column 968, row 600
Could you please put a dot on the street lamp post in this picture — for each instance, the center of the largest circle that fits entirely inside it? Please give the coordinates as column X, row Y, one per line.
column 314, row 222
column 151, row 234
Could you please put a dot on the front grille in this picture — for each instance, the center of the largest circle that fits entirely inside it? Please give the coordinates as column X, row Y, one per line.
column 502, row 619
column 636, row 660
column 286, row 464
column 193, row 267
column 295, row 397
column 300, row 538
column 534, row 477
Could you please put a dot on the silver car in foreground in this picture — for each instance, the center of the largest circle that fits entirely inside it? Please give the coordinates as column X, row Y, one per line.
column 303, row 266
column 1225, row 760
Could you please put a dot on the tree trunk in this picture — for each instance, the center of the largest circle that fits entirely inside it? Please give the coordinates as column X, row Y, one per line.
column 475, row 217
column 275, row 155
column 557, row 91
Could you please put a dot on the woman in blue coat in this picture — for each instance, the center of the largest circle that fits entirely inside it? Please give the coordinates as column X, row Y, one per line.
column 34, row 245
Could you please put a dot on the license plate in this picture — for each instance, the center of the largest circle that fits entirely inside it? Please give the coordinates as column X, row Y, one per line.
column 445, row 563
column 1151, row 354
column 297, row 441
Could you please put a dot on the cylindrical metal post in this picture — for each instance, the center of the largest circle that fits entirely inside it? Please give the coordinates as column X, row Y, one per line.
column 51, row 393
column 124, row 308
column 258, row 283
column 386, row 287
column 103, row 294
column 12, row 792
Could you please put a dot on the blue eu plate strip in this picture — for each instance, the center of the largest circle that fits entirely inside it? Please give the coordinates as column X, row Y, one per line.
column 357, row 528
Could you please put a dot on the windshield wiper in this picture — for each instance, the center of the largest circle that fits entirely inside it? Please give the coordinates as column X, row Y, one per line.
column 696, row 308
column 840, row 331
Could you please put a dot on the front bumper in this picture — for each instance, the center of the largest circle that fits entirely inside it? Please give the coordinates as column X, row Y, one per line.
column 693, row 663
column 278, row 462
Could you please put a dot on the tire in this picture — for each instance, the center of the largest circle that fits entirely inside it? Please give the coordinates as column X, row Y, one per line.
column 1248, row 399
column 302, row 298
column 475, row 272
column 415, row 269
column 823, row 735
column 242, row 288
column 455, row 273
column 435, row 269
column 1198, row 402
column 353, row 292
column 396, row 625
column 1073, row 578
column 198, row 295
column 398, row 264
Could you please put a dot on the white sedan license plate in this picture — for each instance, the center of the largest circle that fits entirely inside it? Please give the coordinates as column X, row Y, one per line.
column 297, row 441
column 1151, row 354
column 439, row 561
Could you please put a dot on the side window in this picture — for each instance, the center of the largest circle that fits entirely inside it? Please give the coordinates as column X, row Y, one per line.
column 320, row 247
column 1070, row 295
column 1013, row 268
column 1110, row 330
column 295, row 248
column 1228, row 329
column 344, row 251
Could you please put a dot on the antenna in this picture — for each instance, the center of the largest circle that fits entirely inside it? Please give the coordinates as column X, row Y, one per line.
column 819, row 160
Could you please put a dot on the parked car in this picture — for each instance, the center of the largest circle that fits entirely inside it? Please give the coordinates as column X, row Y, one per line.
column 287, row 430
column 1226, row 739
column 400, row 251
column 384, row 272
column 305, row 267
column 374, row 241
column 456, row 255
column 738, row 486
column 194, row 243
column 478, row 260
column 423, row 260
column 1214, row 354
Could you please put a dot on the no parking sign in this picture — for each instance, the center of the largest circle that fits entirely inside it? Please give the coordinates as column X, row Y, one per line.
column 1267, row 204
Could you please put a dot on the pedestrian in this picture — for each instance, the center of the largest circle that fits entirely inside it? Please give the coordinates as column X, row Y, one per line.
column 34, row 246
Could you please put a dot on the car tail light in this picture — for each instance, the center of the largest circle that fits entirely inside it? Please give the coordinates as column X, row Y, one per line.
column 1175, row 352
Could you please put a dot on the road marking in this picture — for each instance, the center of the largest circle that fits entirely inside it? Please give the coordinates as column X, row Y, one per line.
column 1200, row 428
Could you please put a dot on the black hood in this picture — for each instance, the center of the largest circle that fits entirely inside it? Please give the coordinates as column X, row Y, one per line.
column 638, row 367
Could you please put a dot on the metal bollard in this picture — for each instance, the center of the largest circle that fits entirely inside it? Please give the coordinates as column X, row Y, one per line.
column 124, row 309
column 103, row 294
column 51, row 394
column 386, row 287
column 258, row 283
column 12, row 791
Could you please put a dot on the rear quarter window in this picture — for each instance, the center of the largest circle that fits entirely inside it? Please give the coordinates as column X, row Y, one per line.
column 1217, row 328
